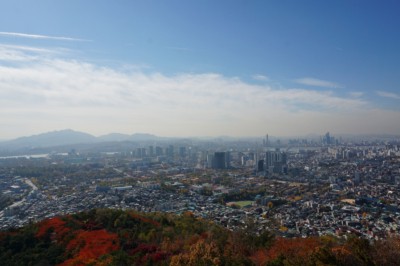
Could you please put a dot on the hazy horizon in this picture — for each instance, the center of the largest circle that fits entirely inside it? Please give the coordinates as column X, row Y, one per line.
column 181, row 69
column 310, row 136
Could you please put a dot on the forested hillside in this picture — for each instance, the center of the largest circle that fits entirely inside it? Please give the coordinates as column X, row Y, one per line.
column 114, row 237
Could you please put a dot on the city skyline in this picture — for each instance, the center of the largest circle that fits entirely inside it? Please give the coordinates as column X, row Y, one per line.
column 200, row 68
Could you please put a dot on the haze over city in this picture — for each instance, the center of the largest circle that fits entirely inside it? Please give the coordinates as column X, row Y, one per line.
column 200, row 68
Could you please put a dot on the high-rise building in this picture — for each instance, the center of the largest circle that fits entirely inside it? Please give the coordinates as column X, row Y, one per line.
column 182, row 151
column 260, row 166
column 227, row 159
column 151, row 151
column 210, row 160
column 140, row 152
column 357, row 178
column 170, row 151
column 275, row 161
column 159, row 151
column 327, row 139
column 219, row 160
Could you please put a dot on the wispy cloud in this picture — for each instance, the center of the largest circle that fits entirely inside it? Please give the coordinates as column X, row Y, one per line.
column 260, row 77
column 37, row 36
column 52, row 92
column 390, row 95
column 20, row 53
column 356, row 94
column 318, row 83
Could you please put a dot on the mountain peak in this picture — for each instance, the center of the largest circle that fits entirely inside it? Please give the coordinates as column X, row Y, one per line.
column 69, row 137
column 53, row 138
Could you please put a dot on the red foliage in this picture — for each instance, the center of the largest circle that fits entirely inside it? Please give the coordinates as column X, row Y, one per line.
column 300, row 248
column 3, row 235
column 144, row 219
column 340, row 251
column 153, row 258
column 188, row 214
column 148, row 253
column 259, row 257
column 90, row 245
column 193, row 239
column 55, row 224
column 143, row 248
column 159, row 256
column 204, row 235
column 91, row 225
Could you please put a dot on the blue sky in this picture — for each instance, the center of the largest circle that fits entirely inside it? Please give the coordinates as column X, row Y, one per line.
column 200, row 68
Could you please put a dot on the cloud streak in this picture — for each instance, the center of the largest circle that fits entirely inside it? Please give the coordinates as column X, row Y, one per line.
column 318, row 83
column 356, row 94
column 20, row 53
column 390, row 95
column 260, row 77
column 42, row 37
column 51, row 92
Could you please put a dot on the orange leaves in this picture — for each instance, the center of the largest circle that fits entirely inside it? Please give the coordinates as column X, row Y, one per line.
column 146, row 253
column 90, row 245
column 260, row 257
column 201, row 253
column 188, row 214
column 300, row 248
column 341, row 251
column 144, row 219
column 55, row 225
column 85, row 246
column 172, row 247
column 144, row 248
column 114, row 237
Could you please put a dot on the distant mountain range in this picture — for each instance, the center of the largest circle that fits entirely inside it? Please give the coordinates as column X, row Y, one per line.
column 68, row 137
column 43, row 142
column 126, row 137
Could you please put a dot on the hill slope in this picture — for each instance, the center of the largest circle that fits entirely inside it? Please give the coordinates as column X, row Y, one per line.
column 68, row 137
column 49, row 139
column 114, row 237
